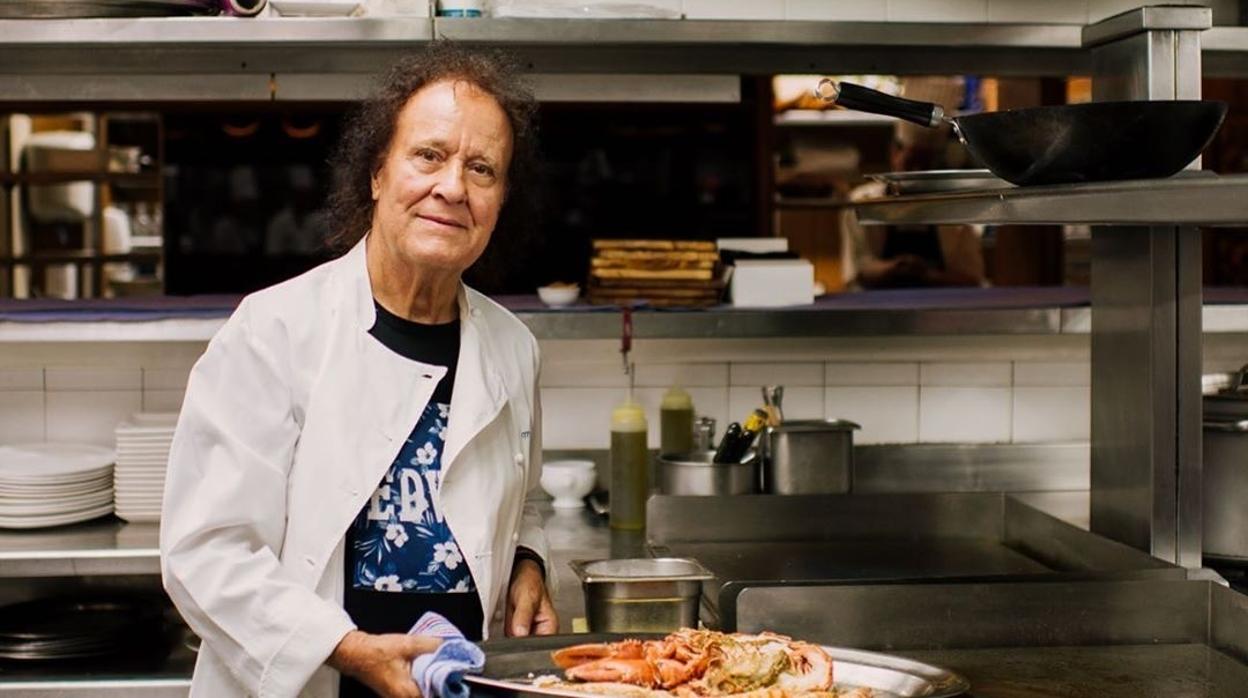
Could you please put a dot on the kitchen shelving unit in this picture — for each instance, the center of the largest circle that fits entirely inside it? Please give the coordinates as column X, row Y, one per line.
column 110, row 187
column 142, row 61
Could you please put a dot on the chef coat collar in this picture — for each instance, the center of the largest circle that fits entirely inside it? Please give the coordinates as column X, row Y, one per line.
column 362, row 301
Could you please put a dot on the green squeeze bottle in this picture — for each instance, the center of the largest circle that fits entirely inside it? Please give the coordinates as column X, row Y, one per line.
column 676, row 422
column 630, row 484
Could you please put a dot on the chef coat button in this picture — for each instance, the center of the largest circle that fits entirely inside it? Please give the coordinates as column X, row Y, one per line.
column 519, row 459
column 515, row 537
column 475, row 312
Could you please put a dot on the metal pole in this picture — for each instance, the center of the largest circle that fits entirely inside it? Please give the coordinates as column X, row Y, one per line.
column 1146, row 389
column 1146, row 324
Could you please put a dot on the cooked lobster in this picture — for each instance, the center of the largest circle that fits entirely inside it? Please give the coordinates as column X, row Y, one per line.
column 691, row 663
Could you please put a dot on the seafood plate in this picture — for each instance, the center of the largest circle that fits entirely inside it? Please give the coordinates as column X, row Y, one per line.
column 708, row 664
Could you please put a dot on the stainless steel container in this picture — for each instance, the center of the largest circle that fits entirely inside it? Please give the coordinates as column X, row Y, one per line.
column 810, row 457
column 1224, row 471
column 641, row 595
column 695, row 474
column 1225, row 475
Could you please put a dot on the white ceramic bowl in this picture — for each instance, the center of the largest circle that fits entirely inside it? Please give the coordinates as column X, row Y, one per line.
column 568, row 481
column 559, row 296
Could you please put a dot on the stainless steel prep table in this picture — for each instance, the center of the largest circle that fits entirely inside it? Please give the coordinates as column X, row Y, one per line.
column 1108, row 638
column 879, row 538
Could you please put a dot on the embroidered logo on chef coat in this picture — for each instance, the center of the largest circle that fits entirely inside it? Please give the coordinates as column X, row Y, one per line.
column 400, row 541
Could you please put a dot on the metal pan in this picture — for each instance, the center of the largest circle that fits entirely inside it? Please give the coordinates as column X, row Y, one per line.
column 1094, row 142
column 511, row 666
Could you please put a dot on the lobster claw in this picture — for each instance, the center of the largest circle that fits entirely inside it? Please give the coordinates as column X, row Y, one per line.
column 637, row 672
column 577, row 655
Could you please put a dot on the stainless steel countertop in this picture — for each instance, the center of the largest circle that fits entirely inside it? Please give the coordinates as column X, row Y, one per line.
column 1127, row 671
column 580, row 535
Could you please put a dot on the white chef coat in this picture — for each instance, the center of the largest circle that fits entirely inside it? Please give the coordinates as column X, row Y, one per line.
column 290, row 420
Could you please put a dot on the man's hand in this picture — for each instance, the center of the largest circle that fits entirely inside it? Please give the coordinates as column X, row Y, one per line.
column 529, row 609
column 382, row 662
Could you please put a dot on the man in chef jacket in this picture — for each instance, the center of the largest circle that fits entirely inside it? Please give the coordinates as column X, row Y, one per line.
column 356, row 443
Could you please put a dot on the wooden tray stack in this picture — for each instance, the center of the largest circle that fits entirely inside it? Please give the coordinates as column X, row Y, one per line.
column 661, row 273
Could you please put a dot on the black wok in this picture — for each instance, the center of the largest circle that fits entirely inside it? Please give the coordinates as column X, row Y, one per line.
column 1093, row 142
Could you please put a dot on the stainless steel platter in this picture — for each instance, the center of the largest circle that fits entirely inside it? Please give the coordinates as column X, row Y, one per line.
column 511, row 666
column 938, row 181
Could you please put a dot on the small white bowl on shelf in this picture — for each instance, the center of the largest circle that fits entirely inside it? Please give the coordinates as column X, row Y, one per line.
column 559, row 295
column 568, row 481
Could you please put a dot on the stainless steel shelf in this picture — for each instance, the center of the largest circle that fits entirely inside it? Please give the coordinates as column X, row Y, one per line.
column 150, row 32
column 1181, row 200
column 170, row 679
column 791, row 322
column 754, row 33
column 105, row 547
column 702, row 324
column 197, row 58
column 99, row 688
column 258, row 59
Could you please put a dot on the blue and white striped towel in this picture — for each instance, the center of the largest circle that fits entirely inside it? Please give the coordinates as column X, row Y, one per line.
column 440, row 674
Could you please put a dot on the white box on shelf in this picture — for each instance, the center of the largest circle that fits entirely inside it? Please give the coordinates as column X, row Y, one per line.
column 753, row 245
column 769, row 283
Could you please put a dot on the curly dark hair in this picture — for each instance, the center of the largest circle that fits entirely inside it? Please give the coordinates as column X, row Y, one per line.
column 370, row 128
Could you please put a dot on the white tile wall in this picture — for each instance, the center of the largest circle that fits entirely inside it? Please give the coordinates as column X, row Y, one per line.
column 95, row 378
column 583, row 374
column 887, row 414
column 964, row 415
column 1013, row 393
column 1052, row 414
column 1048, row 11
column 163, row 400
column 1046, row 373
column 89, row 416
column 799, row 403
column 685, row 375
column 786, row 374
column 734, row 9
column 938, row 10
column 996, row 373
column 21, row 379
column 21, row 416
column 879, row 373
column 165, row 378
column 578, row 417
column 837, row 10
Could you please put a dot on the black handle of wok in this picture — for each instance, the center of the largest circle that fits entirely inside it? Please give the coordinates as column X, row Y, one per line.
column 859, row 98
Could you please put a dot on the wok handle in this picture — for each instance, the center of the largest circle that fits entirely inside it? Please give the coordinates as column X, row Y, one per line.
column 859, row 98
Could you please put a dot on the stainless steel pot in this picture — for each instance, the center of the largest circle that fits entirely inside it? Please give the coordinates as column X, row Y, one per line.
column 694, row 473
column 810, row 457
column 1225, row 475
column 1224, row 470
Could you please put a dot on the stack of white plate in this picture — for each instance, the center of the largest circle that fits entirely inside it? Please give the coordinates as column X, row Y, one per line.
column 142, row 455
column 53, row 484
